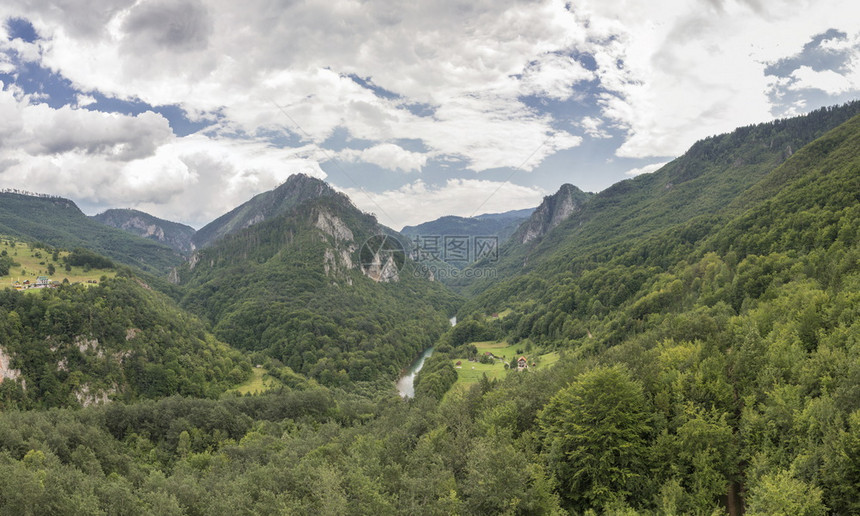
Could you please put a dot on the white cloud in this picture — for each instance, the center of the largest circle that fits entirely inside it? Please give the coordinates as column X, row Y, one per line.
column 828, row 81
column 696, row 69
column 39, row 130
column 471, row 60
column 107, row 160
column 417, row 202
column 593, row 127
column 669, row 73
column 647, row 169
column 554, row 76
column 49, row 131
column 387, row 155
column 84, row 100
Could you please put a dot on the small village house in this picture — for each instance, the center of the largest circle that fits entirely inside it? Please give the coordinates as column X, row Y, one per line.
column 522, row 363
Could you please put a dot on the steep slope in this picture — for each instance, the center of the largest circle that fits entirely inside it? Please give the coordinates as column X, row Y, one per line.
column 120, row 340
column 323, row 288
column 808, row 203
column 178, row 236
column 554, row 210
column 60, row 223
column 698, row 186
column 295, row 190
column 734, row 332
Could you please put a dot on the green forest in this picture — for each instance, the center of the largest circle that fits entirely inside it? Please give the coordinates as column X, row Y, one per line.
column 706, row 316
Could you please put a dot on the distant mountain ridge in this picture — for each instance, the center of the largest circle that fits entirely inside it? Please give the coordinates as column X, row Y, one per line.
column 501, row 225
column 176, row 235
column 60, row 223
column 267, row 205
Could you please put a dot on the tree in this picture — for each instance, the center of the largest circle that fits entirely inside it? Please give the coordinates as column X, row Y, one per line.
column 594, row 437
column 780, row 494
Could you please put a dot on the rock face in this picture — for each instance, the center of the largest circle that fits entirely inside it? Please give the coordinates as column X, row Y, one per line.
column 6, row 371
column 333, row 227
column 87, row 396
column 337, row 260
column 383, row 268
column 553, row 211
column 178, row 236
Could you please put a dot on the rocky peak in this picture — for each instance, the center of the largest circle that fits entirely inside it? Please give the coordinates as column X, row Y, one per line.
column 297, row 189
column 552, row 211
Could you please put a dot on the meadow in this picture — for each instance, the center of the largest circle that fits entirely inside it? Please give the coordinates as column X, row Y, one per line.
column 469, row 373
column 259, row 382
column 30, row 262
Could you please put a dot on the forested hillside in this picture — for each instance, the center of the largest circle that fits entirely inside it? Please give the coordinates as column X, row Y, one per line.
column 118, row 340
column 697, row 186
column 727, row 343
column 709, row 344
column 296, row 288
column 60, row 223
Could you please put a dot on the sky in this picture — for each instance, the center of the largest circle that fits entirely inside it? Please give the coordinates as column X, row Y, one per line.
column 185, row 109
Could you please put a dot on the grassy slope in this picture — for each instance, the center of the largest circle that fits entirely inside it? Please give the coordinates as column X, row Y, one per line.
column 259, row 382
column 30, row 266
column 469, row 373
column 59, row 223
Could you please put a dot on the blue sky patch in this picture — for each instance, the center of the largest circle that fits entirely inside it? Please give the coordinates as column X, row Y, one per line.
column 21, row 28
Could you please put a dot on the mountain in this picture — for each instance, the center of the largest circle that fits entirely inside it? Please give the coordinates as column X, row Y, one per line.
column 650, row 224
column 178, row 236
column 60, row 223
column 320, row 286
column 444, row 246
column 690, row 350
column 512, row 214
column 697, row 186
column 296, row 189
column 500, row 225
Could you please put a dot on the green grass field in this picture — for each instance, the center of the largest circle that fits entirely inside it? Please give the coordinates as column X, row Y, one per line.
column 259, row 382
column 33, row 263
column 499, row 349
column 469, row 373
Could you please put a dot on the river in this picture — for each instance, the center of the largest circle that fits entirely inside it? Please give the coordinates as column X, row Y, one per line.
column 406, row 383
